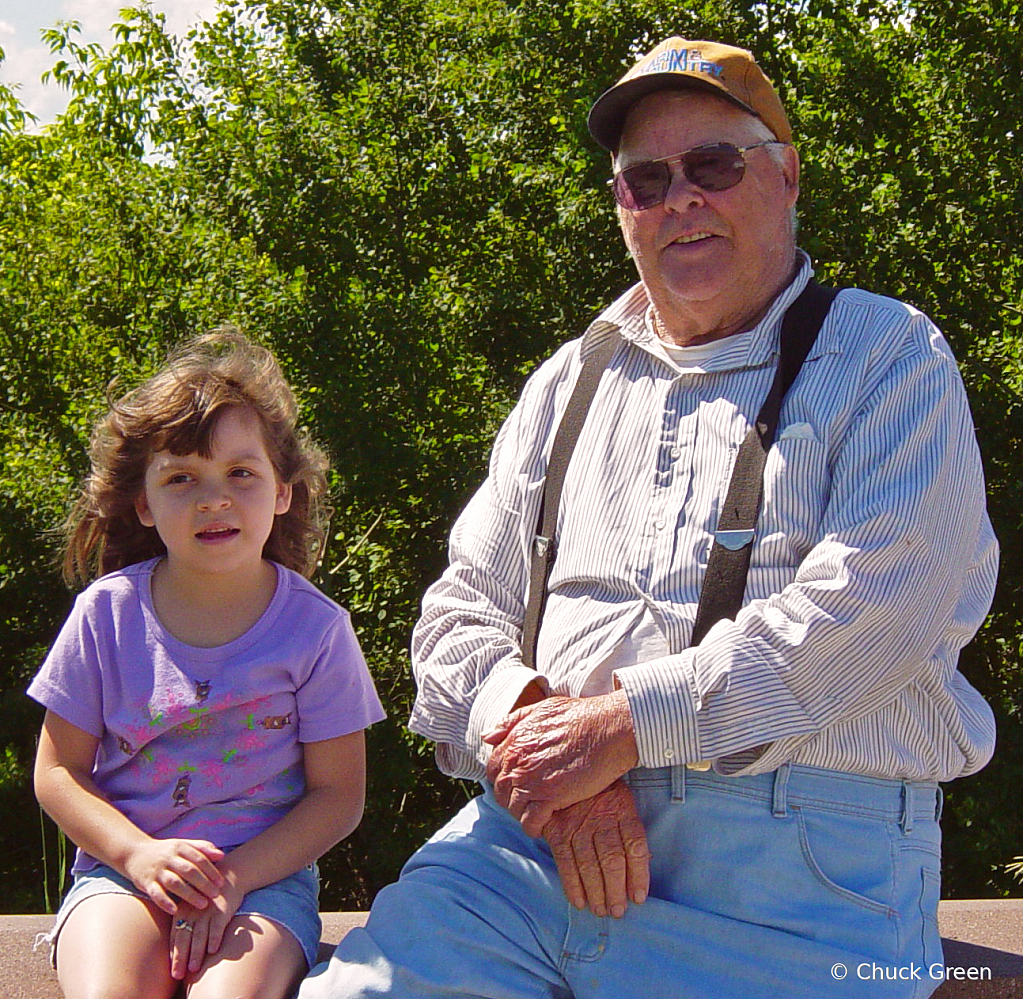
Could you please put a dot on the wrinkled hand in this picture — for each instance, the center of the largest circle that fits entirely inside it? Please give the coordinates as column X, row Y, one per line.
column 600, row 848
column 188, row 949
column 185, row 867
column 549, row 755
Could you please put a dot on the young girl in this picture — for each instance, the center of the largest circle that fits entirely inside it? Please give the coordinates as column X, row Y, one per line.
column 203, row 739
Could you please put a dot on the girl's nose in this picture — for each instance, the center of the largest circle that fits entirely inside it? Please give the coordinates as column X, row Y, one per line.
column 213, row 498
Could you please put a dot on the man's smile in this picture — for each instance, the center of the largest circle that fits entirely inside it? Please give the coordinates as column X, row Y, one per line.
column 691, row 238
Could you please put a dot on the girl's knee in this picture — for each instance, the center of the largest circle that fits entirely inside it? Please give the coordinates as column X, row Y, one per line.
column 114, row 946
column 115, row 983
column 116, row 990
column 258, row 959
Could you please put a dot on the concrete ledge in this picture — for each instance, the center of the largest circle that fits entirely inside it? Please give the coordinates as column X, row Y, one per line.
column 977, row 935
column 983, row 933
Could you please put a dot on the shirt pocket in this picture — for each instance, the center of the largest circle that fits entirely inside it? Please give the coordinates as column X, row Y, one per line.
column 797, row 485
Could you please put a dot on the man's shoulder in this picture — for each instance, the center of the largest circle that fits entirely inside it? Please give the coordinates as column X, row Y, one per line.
column 552, row 374
column 880, row 329
column 626, row 312
column 876, row 307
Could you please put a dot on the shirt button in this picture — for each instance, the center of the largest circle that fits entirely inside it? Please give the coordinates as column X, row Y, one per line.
column 659, row 524
column 676, row 452
column 669, row 754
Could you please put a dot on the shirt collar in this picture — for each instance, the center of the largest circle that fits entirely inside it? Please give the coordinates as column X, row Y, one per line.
column 629, row 314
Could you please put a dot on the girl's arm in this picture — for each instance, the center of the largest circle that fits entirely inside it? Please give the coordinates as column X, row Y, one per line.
column 335, row 775
column 65, row 789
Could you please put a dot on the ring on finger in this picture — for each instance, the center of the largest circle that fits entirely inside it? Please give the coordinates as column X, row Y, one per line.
column 184, row 924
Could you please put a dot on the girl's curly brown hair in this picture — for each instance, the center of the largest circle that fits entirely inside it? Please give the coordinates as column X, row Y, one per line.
column 177, row 410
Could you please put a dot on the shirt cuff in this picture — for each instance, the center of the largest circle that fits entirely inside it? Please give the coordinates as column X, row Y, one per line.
column 663, row 701
column 741, row 677
column 494, row 700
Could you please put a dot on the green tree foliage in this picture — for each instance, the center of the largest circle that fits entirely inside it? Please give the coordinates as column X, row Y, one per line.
column 400, row 196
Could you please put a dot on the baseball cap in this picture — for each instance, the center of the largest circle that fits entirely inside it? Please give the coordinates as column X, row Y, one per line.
column 679, row 64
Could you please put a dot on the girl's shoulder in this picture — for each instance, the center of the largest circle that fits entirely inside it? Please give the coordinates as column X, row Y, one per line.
column 118, row 585
column 304, row 613
column 302, row 592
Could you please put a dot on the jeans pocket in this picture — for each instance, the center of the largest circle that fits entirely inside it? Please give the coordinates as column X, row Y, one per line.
column 852, row 858
column 930, row 893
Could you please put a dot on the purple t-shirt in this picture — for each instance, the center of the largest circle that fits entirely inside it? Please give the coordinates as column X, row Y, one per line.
column 204, row 743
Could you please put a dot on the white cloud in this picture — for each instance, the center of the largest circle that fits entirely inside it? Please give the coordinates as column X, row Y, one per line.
column 27, row 57
column 23, row 67
column 96, row 16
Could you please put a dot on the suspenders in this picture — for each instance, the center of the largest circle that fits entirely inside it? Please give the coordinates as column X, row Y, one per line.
column 728, row 563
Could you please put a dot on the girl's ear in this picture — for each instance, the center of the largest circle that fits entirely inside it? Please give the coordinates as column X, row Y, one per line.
column 142, row 510
column 283, row 503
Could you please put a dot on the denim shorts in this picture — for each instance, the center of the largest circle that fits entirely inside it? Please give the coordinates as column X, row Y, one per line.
column 292, row 902
column 803, row 882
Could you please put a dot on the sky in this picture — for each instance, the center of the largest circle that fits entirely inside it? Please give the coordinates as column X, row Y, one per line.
column 27, row 56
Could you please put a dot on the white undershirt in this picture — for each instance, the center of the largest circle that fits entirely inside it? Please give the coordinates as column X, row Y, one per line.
column 642, row 644
column 697, row 356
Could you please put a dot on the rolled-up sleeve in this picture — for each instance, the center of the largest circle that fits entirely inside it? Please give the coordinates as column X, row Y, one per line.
column 901, row 577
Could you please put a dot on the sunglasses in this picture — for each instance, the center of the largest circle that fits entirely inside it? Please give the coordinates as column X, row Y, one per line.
column 714, row 167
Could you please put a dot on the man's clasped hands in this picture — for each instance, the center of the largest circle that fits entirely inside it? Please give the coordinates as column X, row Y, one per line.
column 557, row 766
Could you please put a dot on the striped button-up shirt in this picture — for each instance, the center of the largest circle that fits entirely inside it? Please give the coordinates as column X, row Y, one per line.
column 874, row 560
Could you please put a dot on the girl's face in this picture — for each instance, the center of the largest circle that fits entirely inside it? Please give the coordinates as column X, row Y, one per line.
column 214, row 514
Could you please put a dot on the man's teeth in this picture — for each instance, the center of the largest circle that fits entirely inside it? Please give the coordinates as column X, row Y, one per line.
column 694, row 237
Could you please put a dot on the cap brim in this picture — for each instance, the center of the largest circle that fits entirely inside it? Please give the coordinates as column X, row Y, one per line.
column 607, row 116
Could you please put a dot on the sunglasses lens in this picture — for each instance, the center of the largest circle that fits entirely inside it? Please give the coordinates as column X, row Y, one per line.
column 714, row 168
column 642, row 186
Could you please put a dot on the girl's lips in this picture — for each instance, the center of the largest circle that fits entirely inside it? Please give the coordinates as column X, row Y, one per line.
column 217, row 534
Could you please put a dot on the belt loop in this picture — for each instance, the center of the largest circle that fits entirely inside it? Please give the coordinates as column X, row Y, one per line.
column 907, row 808
column 781, row 783
column 678, row 784
column 939, row 803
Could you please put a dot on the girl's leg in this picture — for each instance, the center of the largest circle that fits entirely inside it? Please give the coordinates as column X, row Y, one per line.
column 115, row 946
column 258, row 959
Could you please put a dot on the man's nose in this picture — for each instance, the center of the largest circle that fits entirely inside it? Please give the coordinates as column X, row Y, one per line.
column 682, row 193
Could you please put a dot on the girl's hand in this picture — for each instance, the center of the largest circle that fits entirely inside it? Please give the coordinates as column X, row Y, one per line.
column 189, row 947
column 185, row 867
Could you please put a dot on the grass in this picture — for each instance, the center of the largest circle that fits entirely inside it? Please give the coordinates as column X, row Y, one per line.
column 34, row 851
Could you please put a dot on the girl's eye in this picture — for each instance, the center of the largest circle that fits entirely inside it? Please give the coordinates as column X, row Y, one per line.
column 241, row 473
column 178, row 478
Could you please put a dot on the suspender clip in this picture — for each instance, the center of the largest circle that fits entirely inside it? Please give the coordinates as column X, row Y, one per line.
column 734, row 540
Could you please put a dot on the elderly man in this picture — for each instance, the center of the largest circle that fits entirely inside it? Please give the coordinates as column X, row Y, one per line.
column 754, row 815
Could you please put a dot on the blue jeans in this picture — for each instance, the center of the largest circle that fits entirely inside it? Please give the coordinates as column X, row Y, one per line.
column 802, row 883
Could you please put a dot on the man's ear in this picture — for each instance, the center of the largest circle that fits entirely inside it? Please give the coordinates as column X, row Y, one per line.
column 283, row 503
column 142, row 510
column 790, row 167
